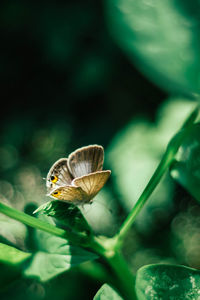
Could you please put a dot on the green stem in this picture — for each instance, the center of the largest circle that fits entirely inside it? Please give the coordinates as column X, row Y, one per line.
column 123, row 279
column 108, row 248
column 163, row 166
column 96, row 245
column 120, row 274
column 38, row 224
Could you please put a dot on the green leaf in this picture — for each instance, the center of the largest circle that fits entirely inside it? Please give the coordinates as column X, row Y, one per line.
column 44, row 208
column 186, row 170
column 167, row 282
column 12, row 256
column 54, row 256
column 67, row 214
column 107, row 293
column 161, row 38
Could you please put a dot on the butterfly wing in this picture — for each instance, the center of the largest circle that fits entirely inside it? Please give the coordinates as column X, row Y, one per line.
column 85, row 165
column 92, row 183
column 71, row 194
column 58, row 175
column 86, row 160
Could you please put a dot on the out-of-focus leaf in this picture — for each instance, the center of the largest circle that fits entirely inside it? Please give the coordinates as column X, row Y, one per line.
column 54, row 256
column 107, row 293
column 134, row 154
column 101, row 215
column 45, row 266
column 167, row 282
column 12, row 256
column 186, row 170
column 12, row 231
column 161, row 38
column 68, row 214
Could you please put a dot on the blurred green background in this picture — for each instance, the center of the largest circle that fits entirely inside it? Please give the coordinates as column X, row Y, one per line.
column 66, row 82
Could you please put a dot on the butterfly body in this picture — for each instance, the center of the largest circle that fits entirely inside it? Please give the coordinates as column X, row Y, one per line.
column 78, row 178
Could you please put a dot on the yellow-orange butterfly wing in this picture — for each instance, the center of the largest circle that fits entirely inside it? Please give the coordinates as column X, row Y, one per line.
column 71, row 194
column 92, row 183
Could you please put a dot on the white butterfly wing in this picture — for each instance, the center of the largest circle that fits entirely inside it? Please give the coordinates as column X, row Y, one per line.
column 58, row 175
column 86, row 160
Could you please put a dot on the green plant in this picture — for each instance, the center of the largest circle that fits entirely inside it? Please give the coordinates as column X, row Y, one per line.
column 161, row 38
column 77, row 243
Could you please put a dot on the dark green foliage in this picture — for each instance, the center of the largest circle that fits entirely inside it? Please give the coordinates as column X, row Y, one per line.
column 161, row 38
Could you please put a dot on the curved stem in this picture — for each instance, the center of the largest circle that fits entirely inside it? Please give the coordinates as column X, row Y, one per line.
column 155, row 179
column 121, row 277
column 108, row 249
column 38, row 224
column 163, row 166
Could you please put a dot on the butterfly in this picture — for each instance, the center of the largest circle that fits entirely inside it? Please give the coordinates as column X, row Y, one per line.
column 78, row 178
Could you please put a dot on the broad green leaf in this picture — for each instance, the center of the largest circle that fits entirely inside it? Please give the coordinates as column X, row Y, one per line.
column 54, row 256
column 67, row 214
column 186, row 170
column 161, row 38
column 166, row 282
column 45, row 266
column 107, row 293
column 12, row 256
